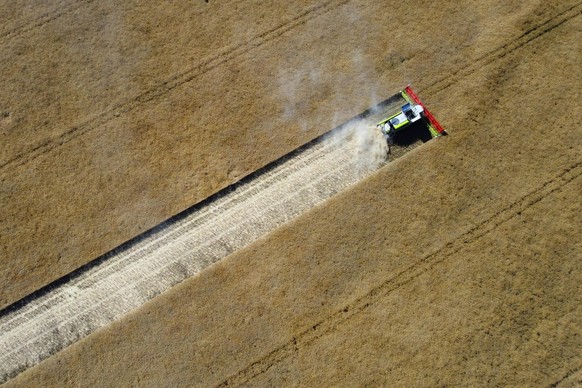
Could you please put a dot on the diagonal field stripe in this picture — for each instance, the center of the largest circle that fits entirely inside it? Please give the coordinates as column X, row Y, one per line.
column 128, row 277
column 505, row 49
column 407, row 275
column 43, row 19
column 174, row 81
column 429, row 261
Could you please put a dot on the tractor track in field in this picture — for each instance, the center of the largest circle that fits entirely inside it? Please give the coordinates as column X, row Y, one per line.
column 43, row 19
column 570, row 375
column 58, row 333
column 500, row 52
column 127, row 277
column 407, row 275
column 331, row 322
column 259, row 40
column 170, row 84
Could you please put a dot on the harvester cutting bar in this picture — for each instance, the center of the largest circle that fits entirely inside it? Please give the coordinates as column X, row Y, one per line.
column 433, row 121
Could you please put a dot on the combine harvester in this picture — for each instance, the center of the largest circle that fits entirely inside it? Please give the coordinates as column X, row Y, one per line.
column 408, row 112
column 112, row 285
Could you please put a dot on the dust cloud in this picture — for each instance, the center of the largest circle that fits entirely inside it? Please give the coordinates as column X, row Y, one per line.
column 367, row 147
column 371, row 147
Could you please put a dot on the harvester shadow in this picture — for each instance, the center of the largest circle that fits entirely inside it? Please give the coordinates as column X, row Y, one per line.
column 417, row 131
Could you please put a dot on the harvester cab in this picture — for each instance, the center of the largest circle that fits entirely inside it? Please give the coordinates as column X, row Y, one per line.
column 408, row 114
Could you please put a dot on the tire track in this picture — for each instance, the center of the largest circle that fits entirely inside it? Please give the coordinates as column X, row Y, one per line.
column 239, row 50
column 204, row 214
column 275, row 172
column 43, row 19
column 151, row 264
column 571, row 375
column 404, row 277
column 170, row 84
column 502, row 51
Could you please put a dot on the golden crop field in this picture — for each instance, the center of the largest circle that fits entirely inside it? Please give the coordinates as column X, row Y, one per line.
column 460, row 263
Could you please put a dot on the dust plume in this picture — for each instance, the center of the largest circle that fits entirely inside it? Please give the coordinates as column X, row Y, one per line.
column 367, row 146
column 371, row 147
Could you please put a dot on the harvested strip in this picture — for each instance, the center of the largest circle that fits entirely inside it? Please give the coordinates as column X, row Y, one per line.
column 125, row 279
